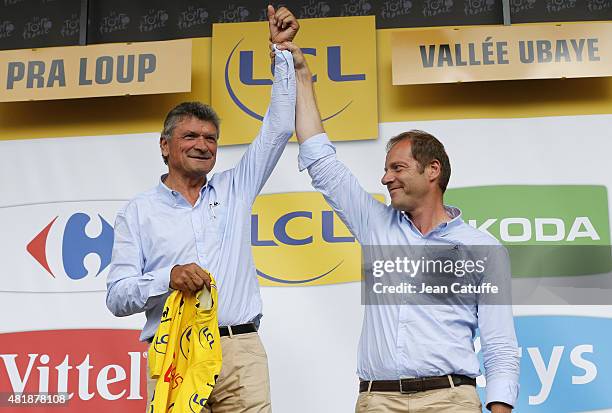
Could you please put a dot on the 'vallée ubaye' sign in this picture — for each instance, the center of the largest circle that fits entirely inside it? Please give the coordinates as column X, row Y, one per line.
column 501, row 52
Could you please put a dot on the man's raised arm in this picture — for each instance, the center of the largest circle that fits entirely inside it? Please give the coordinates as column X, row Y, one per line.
column 253, row 170
column 317, row 154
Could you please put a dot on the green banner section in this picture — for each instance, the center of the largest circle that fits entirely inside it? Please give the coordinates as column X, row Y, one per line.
column 550, row 230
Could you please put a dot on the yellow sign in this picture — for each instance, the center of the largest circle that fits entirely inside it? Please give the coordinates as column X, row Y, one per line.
column 341, row 53
column 97, row 70
column 298, row 240
column 499, row 53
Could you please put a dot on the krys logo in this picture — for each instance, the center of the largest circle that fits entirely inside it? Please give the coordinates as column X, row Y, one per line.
column 566, row 363
column 76, row 245
column 298, row 240
column 100, row 370
column 548, row 229
column 344, row 77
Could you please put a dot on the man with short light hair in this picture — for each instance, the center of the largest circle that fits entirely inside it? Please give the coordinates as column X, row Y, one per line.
column 413, row 357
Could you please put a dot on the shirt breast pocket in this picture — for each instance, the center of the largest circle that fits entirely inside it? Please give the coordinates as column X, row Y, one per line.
column 214, row 220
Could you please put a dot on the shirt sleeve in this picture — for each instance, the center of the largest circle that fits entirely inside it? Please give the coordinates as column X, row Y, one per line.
column 497, row 335
column 263, row 153
column 334, row 180
column 129, row 289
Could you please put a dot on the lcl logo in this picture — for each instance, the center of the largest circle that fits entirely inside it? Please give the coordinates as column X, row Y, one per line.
column 246, row 70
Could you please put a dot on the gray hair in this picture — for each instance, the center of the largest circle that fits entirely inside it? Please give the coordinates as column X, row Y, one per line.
column 186, row 110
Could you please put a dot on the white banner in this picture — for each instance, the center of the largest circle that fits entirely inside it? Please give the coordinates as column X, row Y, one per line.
column 74, row 187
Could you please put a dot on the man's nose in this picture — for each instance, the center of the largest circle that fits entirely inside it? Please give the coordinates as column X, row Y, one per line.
column 200, row 143
column 387, row 178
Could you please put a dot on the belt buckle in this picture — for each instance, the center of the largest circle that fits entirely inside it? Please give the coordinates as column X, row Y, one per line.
column 402, row 391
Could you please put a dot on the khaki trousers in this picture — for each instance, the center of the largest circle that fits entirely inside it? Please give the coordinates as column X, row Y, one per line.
column 243, row 385
column 459, row 399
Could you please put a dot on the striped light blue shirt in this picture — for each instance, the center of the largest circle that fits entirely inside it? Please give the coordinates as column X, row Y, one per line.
column 159, row 229
column 410, row 340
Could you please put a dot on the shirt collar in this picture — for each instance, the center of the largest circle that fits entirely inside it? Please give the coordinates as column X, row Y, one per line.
column 173, row 196
column 453, row 212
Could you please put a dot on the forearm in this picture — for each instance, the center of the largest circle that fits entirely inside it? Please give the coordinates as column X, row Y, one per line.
column 307, row 117
column 136, row 293
column 262, row 155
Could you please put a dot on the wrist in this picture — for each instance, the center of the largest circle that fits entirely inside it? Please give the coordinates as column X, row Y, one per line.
column 303, row 73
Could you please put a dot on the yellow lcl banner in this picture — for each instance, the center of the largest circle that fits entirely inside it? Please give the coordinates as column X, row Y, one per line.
column 96, row 70
column 501, row 52
column 297, row 240
column 341, row 53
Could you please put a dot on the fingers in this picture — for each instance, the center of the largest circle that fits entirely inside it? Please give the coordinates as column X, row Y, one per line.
column 203, row 276
column 189, row 278
column 283, row 18
column 271, row 13
column 292, row 47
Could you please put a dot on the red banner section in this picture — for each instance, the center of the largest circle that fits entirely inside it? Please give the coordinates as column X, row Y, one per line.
column 99, row 370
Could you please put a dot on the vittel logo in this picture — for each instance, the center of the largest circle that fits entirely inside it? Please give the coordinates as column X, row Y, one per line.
column 92, row 367
column 91, row 379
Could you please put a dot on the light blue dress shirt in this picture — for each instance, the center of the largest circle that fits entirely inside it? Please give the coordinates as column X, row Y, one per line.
column 159, row 229
column 400, row 341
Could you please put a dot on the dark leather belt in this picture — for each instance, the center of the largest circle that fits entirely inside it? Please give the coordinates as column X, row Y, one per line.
column 224, row 331
column 415, row 385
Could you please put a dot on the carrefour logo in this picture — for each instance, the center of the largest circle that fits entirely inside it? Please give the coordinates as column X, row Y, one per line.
column 550, row 230
column 298, row 240
column 338, row 52
column 76, row 245
column 57, row 246
column 566, row 363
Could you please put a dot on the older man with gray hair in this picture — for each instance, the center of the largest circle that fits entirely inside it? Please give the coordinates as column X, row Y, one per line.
column 165, row 237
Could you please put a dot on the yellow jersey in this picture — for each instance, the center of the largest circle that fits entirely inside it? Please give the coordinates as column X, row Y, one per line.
column 185, row 355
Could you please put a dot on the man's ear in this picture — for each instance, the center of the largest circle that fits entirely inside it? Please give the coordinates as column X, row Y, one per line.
column 163, row 145
column 434, row 169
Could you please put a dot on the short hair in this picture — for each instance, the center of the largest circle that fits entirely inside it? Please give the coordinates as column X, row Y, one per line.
column 425, row 148
column 184, row 110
